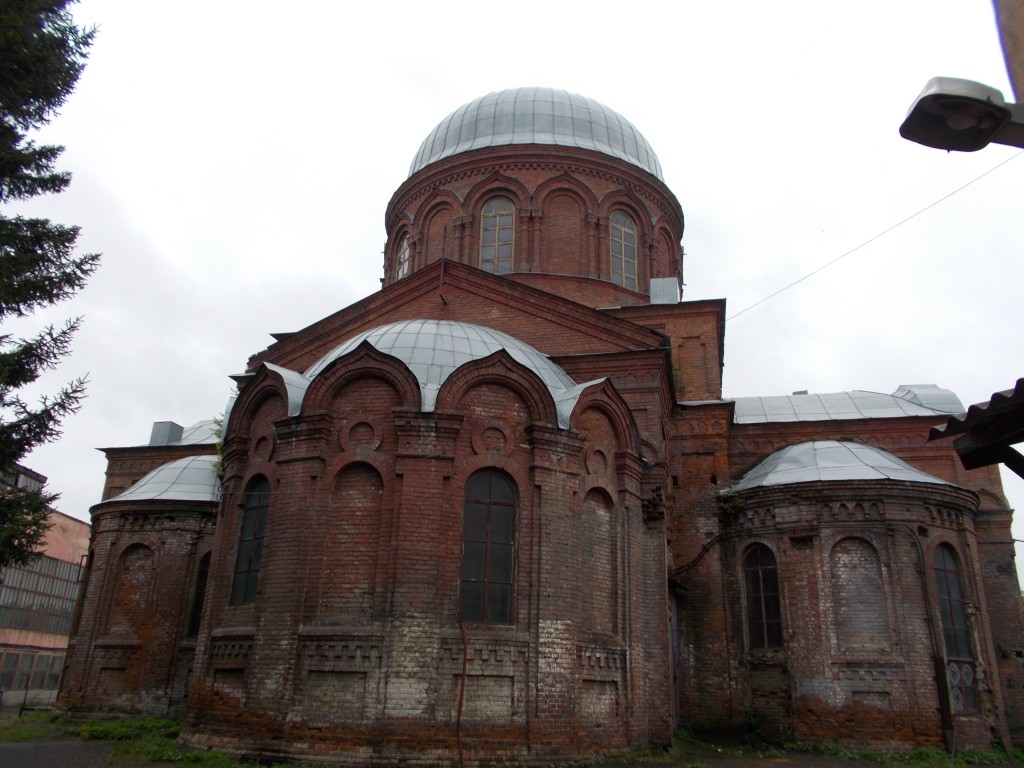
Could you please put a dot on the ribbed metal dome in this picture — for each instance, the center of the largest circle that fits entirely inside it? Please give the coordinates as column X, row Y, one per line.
column 434, row 349
column 830, row 460
column 195, row 478
column 537, row 116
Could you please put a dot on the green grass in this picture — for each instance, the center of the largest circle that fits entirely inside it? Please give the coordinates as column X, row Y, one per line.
column 153, row 741
column 30, row 727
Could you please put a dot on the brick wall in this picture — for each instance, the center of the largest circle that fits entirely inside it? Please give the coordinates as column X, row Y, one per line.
column 364, row 533
column 131, row 647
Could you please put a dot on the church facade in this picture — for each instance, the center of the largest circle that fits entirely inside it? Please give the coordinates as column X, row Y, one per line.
column 500, row 509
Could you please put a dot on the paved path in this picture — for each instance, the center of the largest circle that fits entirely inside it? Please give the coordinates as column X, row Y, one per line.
column 56, row 753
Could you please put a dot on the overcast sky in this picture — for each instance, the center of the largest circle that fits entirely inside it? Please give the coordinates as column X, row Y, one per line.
column 232, row 161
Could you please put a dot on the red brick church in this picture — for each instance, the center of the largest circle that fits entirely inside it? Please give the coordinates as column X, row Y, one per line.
column 501, row 510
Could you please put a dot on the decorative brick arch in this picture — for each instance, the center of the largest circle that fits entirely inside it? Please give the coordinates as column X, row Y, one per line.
column 266, row 385
column 363, row 361
column 501, row 369
column 435, row 228
column 604, row 397
column 566, row 183
column 565, row 232
column 626, row 200
column 497, row 185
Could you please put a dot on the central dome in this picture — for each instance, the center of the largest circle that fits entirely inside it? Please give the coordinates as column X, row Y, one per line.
column 537, row 116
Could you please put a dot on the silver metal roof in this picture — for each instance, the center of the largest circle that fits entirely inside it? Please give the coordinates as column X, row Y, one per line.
column 825, row 460
column 200, row 433
column 190, row 479
column 915, row 400
column 537, row 116
column 434, row 349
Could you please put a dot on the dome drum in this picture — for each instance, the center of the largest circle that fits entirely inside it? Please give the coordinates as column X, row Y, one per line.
column 571, row 205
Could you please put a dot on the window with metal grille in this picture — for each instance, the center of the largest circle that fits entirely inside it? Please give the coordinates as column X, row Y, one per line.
column 488, row 548
column 496, row 235
column 623, row 250
column 960, row 665
column 764, row 610
column 39, row 596
column 250, row 541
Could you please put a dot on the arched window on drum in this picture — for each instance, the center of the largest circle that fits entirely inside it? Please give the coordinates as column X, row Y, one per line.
column 497, row 220
column 623, row 250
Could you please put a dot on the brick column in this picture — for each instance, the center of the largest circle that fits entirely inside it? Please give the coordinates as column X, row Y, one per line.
column 426, row 562
column 296, row 483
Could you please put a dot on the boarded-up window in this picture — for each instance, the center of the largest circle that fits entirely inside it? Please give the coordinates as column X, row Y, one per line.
column 597, row 542
column 857, row 596
column 134, row 583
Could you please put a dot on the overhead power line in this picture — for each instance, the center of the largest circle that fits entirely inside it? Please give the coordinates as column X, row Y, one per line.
column 880, row 234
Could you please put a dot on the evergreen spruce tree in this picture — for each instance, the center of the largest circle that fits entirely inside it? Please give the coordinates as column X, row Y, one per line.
column 42, row 53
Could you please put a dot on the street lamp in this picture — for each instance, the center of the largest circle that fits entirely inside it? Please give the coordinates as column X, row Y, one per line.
column 963, row 115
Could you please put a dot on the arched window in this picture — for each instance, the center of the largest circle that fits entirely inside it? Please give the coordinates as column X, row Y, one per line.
column 623, row 250
column 488, row 548
column 496, row 235
column 250, row 541
column 963, row 684
column 402, row 260
column 198, row 596
column 764, row 611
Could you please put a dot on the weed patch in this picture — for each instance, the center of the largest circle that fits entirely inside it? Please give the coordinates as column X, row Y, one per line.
column 128, row 729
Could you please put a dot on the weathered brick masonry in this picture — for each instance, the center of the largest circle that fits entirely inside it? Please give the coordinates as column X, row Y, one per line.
column 433, row 545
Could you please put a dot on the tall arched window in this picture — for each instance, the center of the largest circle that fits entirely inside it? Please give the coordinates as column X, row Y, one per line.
column 496, row 235
column 250, row 541
column 623, row 250
column 488, row 548
column 963, row 683
column 402, row 260
column 198, row 596
column 764, row 610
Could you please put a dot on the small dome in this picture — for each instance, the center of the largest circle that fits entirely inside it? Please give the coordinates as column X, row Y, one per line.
column 434, row 349
column 537, row 116
column 194, row 478
column 830, row 460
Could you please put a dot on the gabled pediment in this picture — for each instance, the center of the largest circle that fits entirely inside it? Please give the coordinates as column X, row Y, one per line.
column 451, row 291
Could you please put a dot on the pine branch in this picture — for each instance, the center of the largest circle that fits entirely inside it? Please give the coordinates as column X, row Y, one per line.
column 37, row 264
